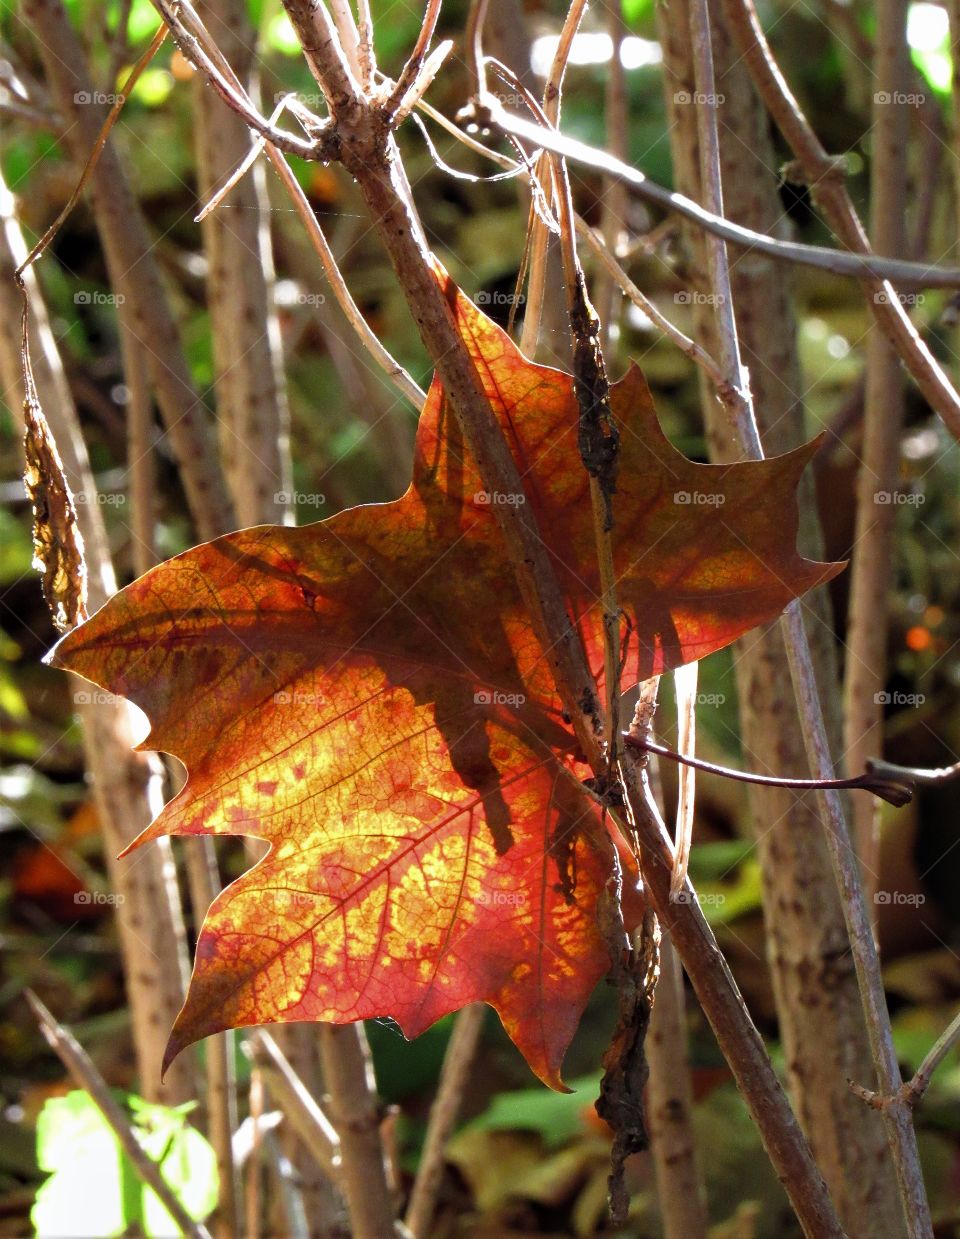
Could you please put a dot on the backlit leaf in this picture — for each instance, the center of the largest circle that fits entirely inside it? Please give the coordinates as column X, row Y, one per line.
column 368, row 696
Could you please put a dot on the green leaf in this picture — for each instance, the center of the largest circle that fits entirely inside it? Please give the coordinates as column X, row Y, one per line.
column 94, row 1190
column 555, row 1116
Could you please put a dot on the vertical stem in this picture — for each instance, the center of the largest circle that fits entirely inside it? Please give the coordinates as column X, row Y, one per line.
column 539, row 235
column 253, row 416
column 866, row 660
column 614, row 194
column 814, row 982
column 458, row 1062
column 348, row 1073
column 683, row 1209
column 898, row 1119
column 140, row 462
column 203, row 876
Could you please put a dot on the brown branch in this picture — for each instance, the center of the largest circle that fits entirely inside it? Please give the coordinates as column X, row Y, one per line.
column 911, row 1092
column 411, row 70
column 679, row 1185
column 299, row 1107
column 203, row 878
column 253, row 413
column 348, row 1073
column 884, row 406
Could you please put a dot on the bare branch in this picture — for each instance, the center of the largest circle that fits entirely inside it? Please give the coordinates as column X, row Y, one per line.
column 299, row 1107
column 857, row 265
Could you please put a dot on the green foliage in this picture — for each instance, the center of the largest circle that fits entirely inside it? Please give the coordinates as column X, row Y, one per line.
column 94, row 1190
column 556, row 1117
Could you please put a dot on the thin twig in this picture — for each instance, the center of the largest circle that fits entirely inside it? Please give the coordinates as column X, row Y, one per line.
column 718, row 264
column 346, row 25
column 411, row 70
column 613, row 193
column 299, row 1107
column 82, row 1069
column 368, row 61
column 685, row 685
column 458, row 1062
column 697, row 354
column 858, row 265
column 911, row 1091
column 538, row 234
column 293, row 144
column 888, row 786
column 140, row 453
column 919, row 1082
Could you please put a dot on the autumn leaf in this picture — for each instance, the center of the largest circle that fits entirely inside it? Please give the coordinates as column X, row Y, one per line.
column 367, row 694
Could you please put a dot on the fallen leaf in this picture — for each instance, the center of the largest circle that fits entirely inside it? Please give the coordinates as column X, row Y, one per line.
column 367, row 694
